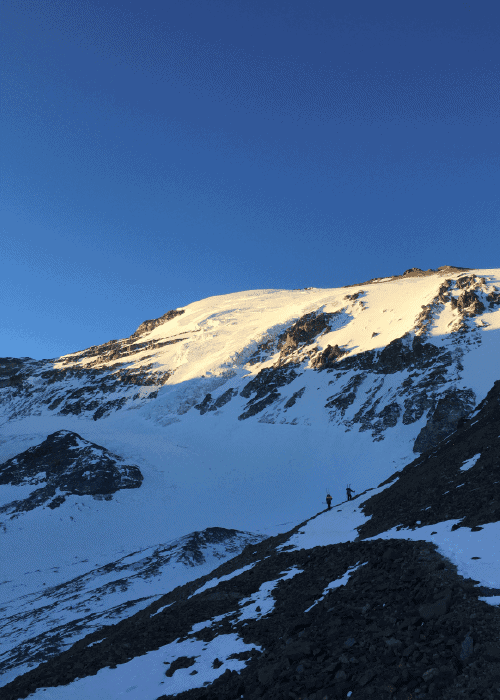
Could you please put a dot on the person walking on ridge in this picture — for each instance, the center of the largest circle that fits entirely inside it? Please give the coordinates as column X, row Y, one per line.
column 349, row 491
column 329, row 500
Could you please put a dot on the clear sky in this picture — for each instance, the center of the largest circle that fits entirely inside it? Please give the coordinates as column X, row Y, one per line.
column 157, row 152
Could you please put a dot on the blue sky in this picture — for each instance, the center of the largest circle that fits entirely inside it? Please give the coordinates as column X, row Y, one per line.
column 157, row 153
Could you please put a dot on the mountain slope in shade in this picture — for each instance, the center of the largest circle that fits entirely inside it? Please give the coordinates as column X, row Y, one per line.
column 340, row 606
column 38, row 626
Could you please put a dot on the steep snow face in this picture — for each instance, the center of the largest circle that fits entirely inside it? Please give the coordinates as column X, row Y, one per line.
column 226, row 341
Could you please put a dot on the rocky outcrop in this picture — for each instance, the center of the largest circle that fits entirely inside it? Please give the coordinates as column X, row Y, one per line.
column 493, row 298
column 454, row 405
column 296, row 343
column 426, row 489
column 65, row 464
column 328, row 358
column 26, row 386
column 293, row 399
column 147, row 326
column 412, row 272
column 468, row 304
column 265, row 387
column 353, row 297
column 209, row 404
column 428, row 366
column 115, row 350
column 341, row 401
column 425, row 319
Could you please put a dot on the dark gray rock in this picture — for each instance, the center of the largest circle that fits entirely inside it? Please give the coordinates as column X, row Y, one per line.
column 412, row 272
column 296, row 395
column 67, row 463
column 425, row 490
column 147, row 326
column 341, row 401
column 389, row 415
column 416, row 404
column 328, row 358
column 265, row 388
column 298, row 338
column 304, row 332
column 456, row 404
column 112, row 584
column 208, row 404
column 373, row 642
column 253, row 407
column 469, row 304
column 106, row 408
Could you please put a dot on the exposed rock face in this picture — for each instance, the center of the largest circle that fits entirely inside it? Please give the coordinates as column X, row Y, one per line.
column 402, row 621
column 28, row 385
column 493, row 298
column 431, row 479
column 25, row 392
column 382, row 408
column 343, row 399
column 450, row 408
column 297, row 341
column 413, row 272
column 296, row 395
column 328, row 358
column 265, row 387
column 209, row 404
column 295, row 345
column 115, row 350
column 65, row 464
column 302, row 333
column 147, row 326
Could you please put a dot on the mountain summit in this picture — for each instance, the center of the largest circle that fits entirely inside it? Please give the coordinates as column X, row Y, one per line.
column 162, row 520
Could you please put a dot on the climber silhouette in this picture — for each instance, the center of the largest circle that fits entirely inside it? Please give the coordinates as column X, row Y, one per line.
column 329, row 501
column 349, row 491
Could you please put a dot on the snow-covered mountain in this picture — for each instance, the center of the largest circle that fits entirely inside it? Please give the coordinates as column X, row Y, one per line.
column 229, row 419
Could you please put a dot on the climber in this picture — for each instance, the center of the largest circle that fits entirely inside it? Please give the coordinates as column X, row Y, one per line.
column 349, row 491
column 329, row 500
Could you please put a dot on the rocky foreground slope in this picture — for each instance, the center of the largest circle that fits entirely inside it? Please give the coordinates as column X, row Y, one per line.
column 369, row 618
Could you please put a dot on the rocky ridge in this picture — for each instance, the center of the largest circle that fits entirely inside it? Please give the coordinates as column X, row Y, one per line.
column 61, row 465
column 27, row 385
column 42, row 625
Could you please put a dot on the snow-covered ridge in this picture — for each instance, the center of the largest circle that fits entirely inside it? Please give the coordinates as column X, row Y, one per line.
column 226, row 341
